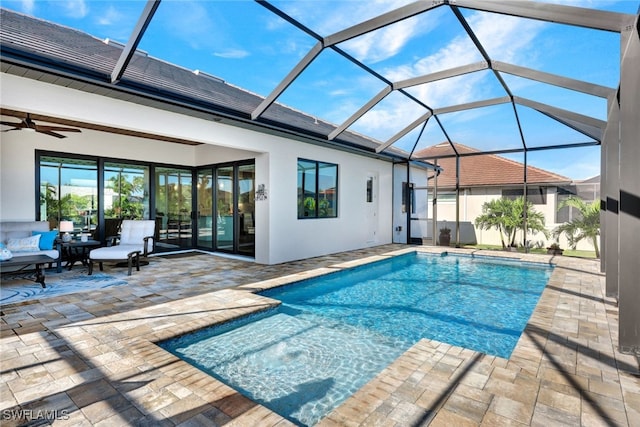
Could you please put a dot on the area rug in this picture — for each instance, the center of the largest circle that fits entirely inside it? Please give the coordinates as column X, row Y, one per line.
column 19, row 289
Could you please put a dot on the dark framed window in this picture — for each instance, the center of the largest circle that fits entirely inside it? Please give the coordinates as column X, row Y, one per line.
column 68, row 191
column 369, row 190
column 317, row 189
column 408, row 197
column 535, row 195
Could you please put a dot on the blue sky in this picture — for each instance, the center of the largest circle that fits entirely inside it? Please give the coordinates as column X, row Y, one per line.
column 250, row 47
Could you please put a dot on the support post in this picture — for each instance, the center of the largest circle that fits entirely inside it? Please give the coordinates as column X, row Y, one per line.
column 629, row 196
column 609, row 191
column 524, row 209
column 434, row 203
column 457, row 201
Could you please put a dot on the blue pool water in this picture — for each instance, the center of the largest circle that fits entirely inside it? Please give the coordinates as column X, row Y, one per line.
column 333, row 334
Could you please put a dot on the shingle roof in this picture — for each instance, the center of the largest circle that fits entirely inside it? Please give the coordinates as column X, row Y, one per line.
column 484, row 170
column 28, row 40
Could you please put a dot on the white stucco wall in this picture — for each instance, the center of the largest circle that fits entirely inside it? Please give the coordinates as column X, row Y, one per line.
column 471, row 201
column 280, row 236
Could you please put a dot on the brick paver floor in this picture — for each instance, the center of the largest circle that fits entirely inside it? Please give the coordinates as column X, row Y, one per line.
column 90, row 359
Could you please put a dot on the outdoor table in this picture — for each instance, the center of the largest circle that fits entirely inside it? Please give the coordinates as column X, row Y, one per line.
column 24, row 261
column 77, row 250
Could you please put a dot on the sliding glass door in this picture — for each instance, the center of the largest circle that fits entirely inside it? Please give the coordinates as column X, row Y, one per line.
column 226, row 214
column 204, row 202
column 211, row 208
column 246, row 209
column 173, row 201
column 225, row 209
column 68, row 191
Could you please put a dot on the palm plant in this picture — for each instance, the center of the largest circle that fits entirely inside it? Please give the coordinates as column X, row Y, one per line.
column 508, row 216
column 584, row 226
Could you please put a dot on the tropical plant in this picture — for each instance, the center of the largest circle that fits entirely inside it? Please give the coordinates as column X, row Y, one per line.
column 64, row 207
column 508, row 216
column 585, row 226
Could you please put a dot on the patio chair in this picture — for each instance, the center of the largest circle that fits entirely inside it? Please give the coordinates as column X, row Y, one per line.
column 136, row 239
column 111, row 230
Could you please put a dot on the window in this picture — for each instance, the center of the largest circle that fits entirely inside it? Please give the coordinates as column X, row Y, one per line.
column 535, row 195
column 408, row 197
column 442, row 198
column 317, row 189
column 68, row 191
column 126, row 191
column 586, row 191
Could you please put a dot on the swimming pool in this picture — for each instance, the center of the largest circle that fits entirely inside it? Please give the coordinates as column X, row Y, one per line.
column 333, row 334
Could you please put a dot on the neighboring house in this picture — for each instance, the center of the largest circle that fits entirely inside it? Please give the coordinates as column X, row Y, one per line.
column 181, row 147
column 486, row 177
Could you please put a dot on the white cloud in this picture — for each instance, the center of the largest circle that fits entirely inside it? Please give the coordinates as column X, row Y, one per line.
column 75, row 8
column 110, row 17
column 329, row 17
column 231, row 53
column 508, row 37
column 382, row 44
column 28, row 6
column 190, row 22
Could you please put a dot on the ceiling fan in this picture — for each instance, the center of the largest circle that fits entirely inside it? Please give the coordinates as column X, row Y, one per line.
column 29, row 125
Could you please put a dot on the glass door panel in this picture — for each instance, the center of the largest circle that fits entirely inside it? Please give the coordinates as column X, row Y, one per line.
column 126, row 191
column 125, row 195
column 205, row 208
column 69, row 192
column 225, row 209
column 246, row 209
column 173, row 208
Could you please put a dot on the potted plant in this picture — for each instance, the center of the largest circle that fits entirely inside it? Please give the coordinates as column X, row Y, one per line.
column 554, row 249
column 445, row 236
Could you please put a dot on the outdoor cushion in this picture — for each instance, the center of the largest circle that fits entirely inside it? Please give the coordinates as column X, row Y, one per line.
column 5, row 253
column 115, row 252
column 134, row 235
column 27, row 244
column 47, row 238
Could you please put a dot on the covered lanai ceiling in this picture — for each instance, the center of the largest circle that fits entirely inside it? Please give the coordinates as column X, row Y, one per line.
column 498, row 76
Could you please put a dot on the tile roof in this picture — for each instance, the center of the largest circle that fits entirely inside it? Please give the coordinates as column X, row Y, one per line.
column 483, row 170
column 78, row 55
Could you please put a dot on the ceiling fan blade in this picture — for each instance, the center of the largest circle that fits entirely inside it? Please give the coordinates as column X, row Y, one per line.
column 29, row 124
column 16, row 125
column 50, row 133
column 41, row 128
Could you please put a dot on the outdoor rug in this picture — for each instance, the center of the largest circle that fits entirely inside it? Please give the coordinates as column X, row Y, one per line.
column 16, row 289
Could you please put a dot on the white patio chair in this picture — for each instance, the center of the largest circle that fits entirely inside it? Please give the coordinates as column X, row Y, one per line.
column 136, row 238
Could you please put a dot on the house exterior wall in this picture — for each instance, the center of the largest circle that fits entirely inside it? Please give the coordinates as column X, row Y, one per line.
column 471, row 201
column 280, row 236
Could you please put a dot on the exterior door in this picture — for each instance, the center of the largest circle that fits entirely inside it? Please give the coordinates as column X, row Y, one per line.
column 246, row 241
column 225, row 209
column 173, row 201
column 371, row 219
column 205, row 216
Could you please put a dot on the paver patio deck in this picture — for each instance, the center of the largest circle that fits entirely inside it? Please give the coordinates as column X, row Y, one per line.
column 90, row 358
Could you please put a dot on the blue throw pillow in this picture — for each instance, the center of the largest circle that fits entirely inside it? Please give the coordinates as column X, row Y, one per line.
column 46, row 239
